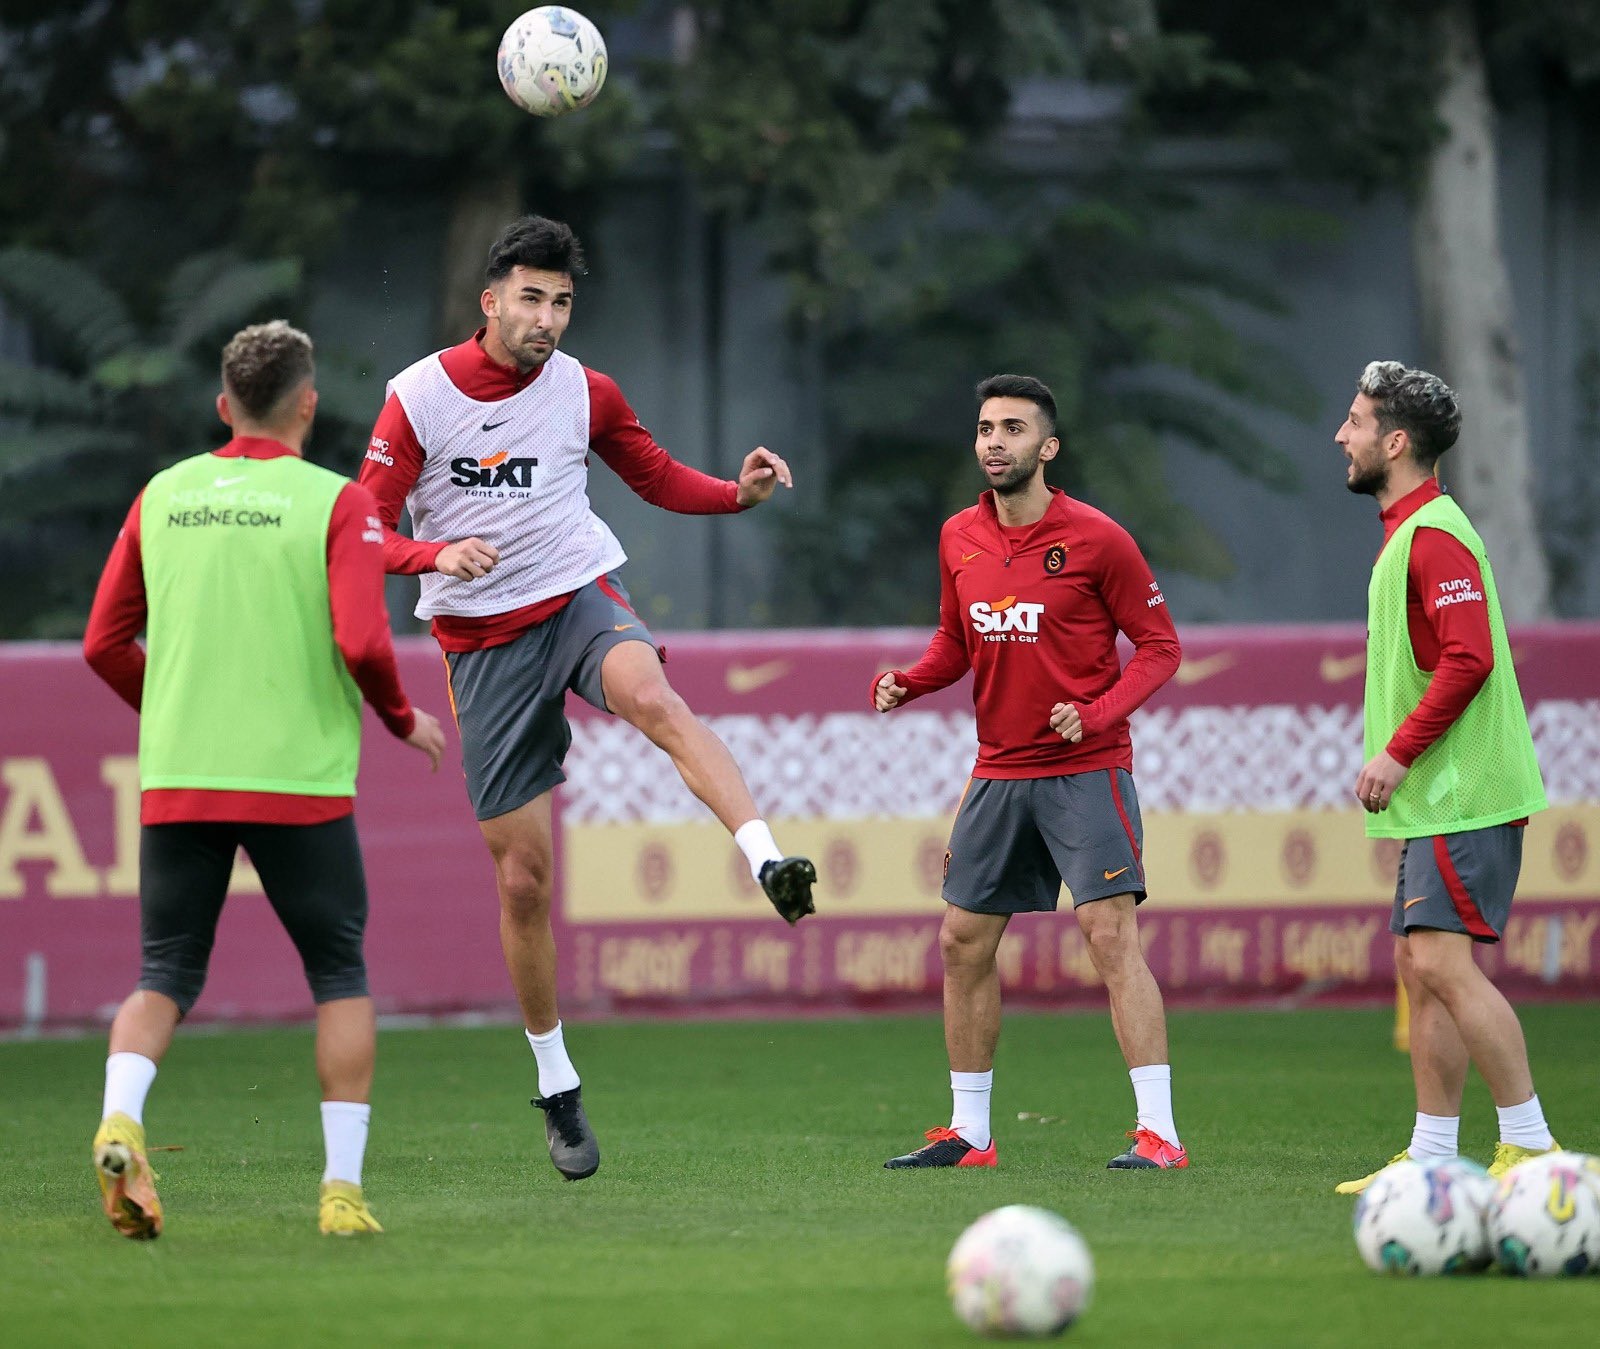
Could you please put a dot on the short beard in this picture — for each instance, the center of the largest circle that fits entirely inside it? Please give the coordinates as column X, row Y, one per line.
column 1369, row 482
column 1018, row 478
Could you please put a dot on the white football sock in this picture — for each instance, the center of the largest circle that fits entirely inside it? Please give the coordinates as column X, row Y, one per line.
column 556, row 1073
column 1434, row 1137
column 128, row 1079
column 1152, row 1099
column 344, row 1134
column 757, row 844
column 969, row 1113
column 1524, row 1125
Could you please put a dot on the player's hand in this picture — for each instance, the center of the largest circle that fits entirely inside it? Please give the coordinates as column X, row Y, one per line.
column 1067, row 722
column 1378, row 781
column 886, row 694
column 467, row 560
column 760, row 476
column 428, row 736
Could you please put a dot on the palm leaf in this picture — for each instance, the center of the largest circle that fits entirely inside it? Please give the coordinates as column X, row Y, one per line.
column 226, row 299
column 44, row 445
column 34, row 391
column 62, row 298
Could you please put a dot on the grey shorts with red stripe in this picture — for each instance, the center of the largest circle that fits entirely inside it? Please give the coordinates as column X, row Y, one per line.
column 1016, row 841
column 1458, row 882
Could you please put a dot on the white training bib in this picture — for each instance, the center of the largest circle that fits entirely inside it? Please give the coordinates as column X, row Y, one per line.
column 513, row 473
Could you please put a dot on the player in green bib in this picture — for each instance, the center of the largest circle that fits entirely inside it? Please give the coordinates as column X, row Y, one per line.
column 1450, row 765
column 257, row 579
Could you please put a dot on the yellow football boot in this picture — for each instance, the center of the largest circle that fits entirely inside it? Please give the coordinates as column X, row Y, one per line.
column 1357, row 1186
column 127, row 1184
column 343, row 1212
column 1507, row 1155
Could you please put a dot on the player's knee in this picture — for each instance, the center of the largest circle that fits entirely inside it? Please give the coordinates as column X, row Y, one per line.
column 183, row 984
column 655, row 708
column 525, row 884
column 1438, row 968
column 961, row 949
column 1113, row 940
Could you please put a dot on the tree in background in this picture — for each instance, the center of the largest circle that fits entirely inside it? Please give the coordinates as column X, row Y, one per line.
column 110, row 402
column 866, row 143
column 1381, row 94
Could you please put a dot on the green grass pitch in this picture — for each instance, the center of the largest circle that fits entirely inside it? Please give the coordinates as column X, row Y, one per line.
column 741, row 1199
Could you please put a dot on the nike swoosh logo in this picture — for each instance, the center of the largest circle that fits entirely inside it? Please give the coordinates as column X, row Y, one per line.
column 226, row 482
column 1195, row 671
column 1337, row 669
column 1112, row 875
column 749, row 678
column 489, row 426
column 967, row 557
column 1410, row 902
column 622, row 627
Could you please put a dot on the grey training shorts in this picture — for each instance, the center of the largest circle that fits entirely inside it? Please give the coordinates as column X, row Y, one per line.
column 510, row 700
column 1016, row 840
column 1458, row 882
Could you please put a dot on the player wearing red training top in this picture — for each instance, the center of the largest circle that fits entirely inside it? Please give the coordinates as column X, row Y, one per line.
column 487, row 443
column 1034, row 588
column 258, row 580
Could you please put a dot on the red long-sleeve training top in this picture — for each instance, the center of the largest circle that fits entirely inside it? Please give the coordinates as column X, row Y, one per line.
column 360, row 630
column 1450, row 639
column 395, row 458
column 1034, row 612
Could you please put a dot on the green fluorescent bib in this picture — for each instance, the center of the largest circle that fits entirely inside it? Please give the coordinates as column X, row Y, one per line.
column 245, row 689
column 1480, row 772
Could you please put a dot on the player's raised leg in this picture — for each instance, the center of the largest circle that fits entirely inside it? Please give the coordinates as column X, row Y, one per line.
column 636, row 689
column 967, row 944
column 522, row 845
column 1138, row 1017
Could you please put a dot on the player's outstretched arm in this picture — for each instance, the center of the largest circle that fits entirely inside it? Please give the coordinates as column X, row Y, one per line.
column 760, row 475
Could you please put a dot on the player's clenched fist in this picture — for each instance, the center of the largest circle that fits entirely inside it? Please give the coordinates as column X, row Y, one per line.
column 887, row 694
column 1066, row 722
column 467, row 560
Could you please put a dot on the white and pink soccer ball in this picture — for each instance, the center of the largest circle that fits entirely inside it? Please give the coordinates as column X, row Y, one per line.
column 1425, row 1218
column 1544, row 1216
column 552, row 61
column 1020, row 1271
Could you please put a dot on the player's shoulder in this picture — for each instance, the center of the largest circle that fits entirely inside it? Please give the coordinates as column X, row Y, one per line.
column 961, row 521
column 1091, row 523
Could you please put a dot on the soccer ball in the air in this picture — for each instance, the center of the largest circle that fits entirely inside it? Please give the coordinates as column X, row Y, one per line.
column 1425, row 1218
column 1544, row 1218
column 552, row 60
column 1020, row 1271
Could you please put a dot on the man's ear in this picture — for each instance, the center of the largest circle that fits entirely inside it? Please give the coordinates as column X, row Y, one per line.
column 223, row 410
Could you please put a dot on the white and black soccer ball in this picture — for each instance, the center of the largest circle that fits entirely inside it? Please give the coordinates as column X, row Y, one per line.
column 552, row 61
column 1020, row 1271
column 1544, row 1217
column 1425, row 1218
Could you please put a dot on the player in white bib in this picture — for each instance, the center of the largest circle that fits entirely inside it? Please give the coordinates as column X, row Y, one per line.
column 487, row 443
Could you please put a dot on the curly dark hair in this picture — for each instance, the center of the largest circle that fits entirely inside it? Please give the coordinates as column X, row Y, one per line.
column 1413, row 401
column 535, row 241
column 264, row 362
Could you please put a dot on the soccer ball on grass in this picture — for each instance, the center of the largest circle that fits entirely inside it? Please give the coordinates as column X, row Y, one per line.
column 1425, row 1218
column 1020, row 1271
column 1544, row 1217
column 552, row 61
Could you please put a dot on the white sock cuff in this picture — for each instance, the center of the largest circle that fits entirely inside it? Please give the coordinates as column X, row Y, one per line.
column 360, row 1110
column 128, row 1080
column 983, row 1081
column 1151, row 1072
column 545, row 1039
column 757, row 844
